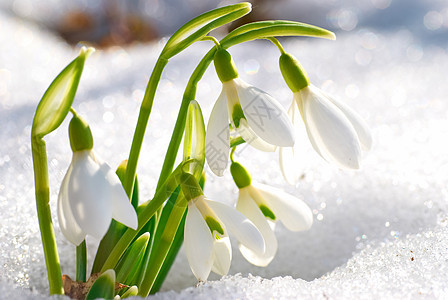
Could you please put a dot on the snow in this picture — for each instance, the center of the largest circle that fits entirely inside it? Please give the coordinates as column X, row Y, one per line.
column 380, row 232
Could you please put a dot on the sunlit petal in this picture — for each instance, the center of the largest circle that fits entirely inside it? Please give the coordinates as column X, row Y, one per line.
column 217, row 138
column 122, row 209
column 198, row 242
column 252, row 139
column 248, row 208
column 89, row 194
column 291, row 211
column 222, row 256
column 67, row 223
column 329, row 131
column 265, row 116
column 360, row 125
column 241, row 227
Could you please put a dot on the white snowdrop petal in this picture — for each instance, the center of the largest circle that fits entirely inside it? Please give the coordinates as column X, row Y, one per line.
column 90, row 195
column 67, row 223
column 198, row 243
column 360, row 125
column 290, row 210
column 241, row 227
column 252, row 139
column 222, row 256
column 248, row 208
column 329, row 131
column 290, row 158
column 122, row 209
column 217, row 137
column 265, row 116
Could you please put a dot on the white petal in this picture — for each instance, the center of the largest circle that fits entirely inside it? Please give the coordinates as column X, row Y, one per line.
column 217, row 138
column 252, row 139
column 90, row 195
column 122, row 209
column 67, row 223
column 291, row 211
column 292, row 159
column 248, row 208
column 222, row 256
column 330, row 132
column 198, row 242
column 360, row 125
column 265, row 116
column 241, row 227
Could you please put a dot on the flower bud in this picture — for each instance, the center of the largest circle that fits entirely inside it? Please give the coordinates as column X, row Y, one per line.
column 80, row 134
column 240, row 175
column 293, row 72
column 224, row 65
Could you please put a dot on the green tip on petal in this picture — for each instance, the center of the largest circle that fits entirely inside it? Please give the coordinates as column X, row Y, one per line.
column 190, row 186
column 80, row 134
column 237, row 115
column 224, row 65
column 293, row 72
column 240, row 175
column 214, row 225
column 267, row 212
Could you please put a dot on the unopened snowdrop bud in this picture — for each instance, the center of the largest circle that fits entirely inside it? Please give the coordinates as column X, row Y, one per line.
column 293, row 72
column 80, row 134
column 224, row 65
column 91, row 193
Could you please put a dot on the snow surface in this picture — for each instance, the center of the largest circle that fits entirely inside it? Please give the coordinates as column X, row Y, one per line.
column 380, row 232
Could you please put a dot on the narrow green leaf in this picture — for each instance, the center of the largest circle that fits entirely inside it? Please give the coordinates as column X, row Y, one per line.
column 132, row 291
column 134, row 253
column 265, row 29
column 58, row 98
column 200, row 26
column 103, row 287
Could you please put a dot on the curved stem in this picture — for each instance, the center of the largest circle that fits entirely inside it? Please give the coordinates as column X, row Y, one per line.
column 211, row 38
column 145, row 111
column 42, row 187
column 277, row 43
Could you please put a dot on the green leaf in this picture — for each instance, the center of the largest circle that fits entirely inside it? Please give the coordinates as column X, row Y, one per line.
column 134, row 253
column 58, row 98
column 200, row 26
column 103, row 287
column 194, row 140
column 132, row 291
column 265, row 29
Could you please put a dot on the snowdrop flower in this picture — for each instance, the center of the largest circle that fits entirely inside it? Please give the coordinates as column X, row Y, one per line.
column 335, row 131
column 257, row 117
column 264, row 206
column 206, row 239
column 91, row 193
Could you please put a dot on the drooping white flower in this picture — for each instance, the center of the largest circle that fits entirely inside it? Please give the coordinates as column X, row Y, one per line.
column 264, row 206
column 91, row 193
column 336, row 132
column 206, row 239
column 257, row 117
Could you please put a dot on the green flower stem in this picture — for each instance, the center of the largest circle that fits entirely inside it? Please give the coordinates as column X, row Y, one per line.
column 145, row 111
column 163, row 246
column 81, row 262
column 277, row 43
column 149, row 208
column 42, row 187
